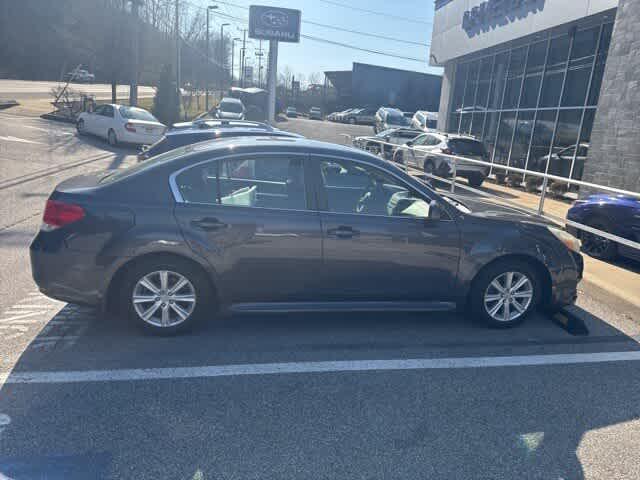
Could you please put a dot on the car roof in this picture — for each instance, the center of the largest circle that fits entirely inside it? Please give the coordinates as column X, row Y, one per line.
column 227, row 131
column 268, row 144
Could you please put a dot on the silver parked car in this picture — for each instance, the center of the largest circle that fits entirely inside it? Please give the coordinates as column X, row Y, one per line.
column 422, row 152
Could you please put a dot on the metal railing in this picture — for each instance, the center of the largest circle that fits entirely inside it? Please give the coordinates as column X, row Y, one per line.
column 545, row 180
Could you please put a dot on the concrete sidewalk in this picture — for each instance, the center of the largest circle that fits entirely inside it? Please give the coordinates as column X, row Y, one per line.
column 620, row 278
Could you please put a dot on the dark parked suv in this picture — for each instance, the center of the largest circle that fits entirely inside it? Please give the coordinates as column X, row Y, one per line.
column 209, row 130
column 288, row 224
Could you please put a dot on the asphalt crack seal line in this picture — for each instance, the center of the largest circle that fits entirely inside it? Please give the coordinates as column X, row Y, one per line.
column 138, row 374
column 51, row 171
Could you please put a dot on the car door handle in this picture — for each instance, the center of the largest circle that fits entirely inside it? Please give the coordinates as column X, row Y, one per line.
column 343, row 232
column 209, row 224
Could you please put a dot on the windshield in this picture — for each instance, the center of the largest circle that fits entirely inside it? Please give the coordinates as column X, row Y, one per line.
column 133, row 113
column 395, row 118
column 232, row 107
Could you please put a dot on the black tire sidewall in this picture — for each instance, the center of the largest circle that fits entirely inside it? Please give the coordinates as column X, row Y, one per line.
column 481, row 282
column 197, row 278
column 115, row 138
column 475, row 180
column 612, row 250
column 80, row 127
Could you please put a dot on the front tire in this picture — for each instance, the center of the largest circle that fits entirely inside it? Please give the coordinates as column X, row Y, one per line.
column 80, row 127
column 165, row 296
column 599, row 247
column 505, row 293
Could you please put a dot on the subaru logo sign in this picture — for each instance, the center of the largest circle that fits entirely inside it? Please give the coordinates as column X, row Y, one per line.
column 271, row 23
column 275, row 19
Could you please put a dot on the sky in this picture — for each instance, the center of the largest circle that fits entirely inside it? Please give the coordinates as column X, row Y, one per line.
column 310, row 56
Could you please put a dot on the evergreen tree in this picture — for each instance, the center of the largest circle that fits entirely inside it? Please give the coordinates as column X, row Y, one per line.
column 166, row 105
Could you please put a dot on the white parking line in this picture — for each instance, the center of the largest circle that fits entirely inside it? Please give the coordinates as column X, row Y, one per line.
column 313, row 367
column 9, row 138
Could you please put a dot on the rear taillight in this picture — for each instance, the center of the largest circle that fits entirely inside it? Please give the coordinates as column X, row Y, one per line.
column 58, row 214
column 130, row 127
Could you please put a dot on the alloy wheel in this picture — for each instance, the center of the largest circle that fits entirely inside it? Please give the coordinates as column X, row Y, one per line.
column 508, row 296
column 164, row 298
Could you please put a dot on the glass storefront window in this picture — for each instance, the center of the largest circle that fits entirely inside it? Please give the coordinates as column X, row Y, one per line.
column 533, row 79
column 598, row 73
column 477, row 123
column 514, row 78
column 507, row 123
column 521, row 139
column 542, row 136
column 514, row 100
column 554, row 74
column 498, row 80
column 580, row 65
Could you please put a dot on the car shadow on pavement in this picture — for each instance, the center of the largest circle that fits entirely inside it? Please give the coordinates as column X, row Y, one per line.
column 509, row 422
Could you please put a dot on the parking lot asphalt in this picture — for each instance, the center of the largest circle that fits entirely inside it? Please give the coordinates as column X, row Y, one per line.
column 353, row 396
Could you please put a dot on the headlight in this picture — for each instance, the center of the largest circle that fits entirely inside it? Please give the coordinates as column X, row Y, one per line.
column 571, row 242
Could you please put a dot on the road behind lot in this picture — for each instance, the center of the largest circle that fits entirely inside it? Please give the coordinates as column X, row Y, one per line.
column 25, row 89
column 253, row 397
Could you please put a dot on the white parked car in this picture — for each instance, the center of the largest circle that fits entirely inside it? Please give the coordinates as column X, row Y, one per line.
column 231, row 109
column 81, row 75
column 121, row 124
column 425, row 121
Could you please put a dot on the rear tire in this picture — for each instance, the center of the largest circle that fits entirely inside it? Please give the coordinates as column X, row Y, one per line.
column 475, row 180
column 498, row 309
column 176, row 304
column 112, row 138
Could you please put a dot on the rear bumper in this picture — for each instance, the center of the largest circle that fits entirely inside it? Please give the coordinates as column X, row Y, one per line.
column 138, row 138
column 66, row 275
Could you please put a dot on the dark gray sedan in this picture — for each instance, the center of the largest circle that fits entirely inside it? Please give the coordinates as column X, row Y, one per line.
column 287, row 224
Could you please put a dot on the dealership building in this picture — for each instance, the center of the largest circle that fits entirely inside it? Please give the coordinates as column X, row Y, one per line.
column 540, row 79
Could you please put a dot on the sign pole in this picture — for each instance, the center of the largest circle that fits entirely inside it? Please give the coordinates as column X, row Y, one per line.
column 271, row 80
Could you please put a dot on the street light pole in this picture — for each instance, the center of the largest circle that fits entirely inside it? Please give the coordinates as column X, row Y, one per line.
column 221, row 56
column 233, row 49
column 260, row 54
column 244, row 48
column 207, row 66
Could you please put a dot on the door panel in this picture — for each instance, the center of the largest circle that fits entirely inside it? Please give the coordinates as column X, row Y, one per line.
column 259, row 254
column 373, row 251
column 229, row 214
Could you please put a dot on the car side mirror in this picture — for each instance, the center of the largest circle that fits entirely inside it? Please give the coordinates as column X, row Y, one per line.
column 410, row 143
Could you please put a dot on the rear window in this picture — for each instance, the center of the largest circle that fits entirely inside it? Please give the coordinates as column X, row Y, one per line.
column 463, row 146
column 137, row 114
column 142, row 166
column 232, row 107
column 397, row 118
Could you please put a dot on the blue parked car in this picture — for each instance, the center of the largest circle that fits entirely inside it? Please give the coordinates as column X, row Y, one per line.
column 616, row 214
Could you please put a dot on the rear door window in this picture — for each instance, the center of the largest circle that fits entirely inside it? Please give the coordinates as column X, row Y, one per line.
column 265, row 182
